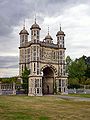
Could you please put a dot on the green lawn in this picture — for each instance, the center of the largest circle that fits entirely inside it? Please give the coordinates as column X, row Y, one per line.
column 80, row 95
column 42, row 108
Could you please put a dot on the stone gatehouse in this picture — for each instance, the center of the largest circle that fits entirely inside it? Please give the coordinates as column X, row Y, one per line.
column 45, row 60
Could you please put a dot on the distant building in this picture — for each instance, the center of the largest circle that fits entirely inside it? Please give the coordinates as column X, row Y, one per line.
column 45, row 60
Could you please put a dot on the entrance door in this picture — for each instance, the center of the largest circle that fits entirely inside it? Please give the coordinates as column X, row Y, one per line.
column 48, row 81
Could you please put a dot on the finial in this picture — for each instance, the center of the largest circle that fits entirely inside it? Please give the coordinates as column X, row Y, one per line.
column 35, row 12
column 60, row 27
column 35, row 18
column 48, row 29
column 24, row 24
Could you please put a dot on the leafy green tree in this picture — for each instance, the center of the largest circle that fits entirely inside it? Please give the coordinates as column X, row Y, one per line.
column 73, row 70
column 68, row 63
column 87, row 72
column 25, row 76
column 73, row 83
column 68, row 60
column 77, row 70
column 82, row 67
column 8, row 80
column 87, row 82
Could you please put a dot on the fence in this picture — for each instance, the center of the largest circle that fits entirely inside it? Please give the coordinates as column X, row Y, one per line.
column 7, row 89
column 79, row 91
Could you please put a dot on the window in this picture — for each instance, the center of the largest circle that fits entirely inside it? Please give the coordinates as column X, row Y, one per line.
column 22, row 67
column 54, row 55
column 63, row 83
column 26, row 37
column 37, row 49
column 30, row 71
column 61, row 46
column 63, row 38
column 34, row 54
column 34, row 40
column 28, row 50
column 22, row 38
column 34, row 67
column 40, row 82
column 34, row 58
column 36, row 82
column 63, row 66
column 34, row 32
column 60, row 83
column 61, row 71
column 37, row 37
column 31, row 90
column 34, row 48
column 61, row 57
column 37, row 64
column 37, row 58
column 31, row 32
column 37, row 90
column 37, row 32
column 37, row 71
column 60, row 52
column 64, row 89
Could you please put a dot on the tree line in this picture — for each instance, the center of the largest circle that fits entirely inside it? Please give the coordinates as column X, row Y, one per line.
column 78, row 71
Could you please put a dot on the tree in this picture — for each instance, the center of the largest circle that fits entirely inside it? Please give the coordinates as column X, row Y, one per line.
column 9, row 80
column 77, row 70
column 87, row 82
column 73, row 83
column 68, row 63
column 25, row 76
column 82, row 67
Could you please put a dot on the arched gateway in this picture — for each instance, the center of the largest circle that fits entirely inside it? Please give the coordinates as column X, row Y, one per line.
column 48, row 79
column 45, row 60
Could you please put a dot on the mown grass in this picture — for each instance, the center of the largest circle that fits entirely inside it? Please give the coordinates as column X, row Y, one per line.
column 42, row 108
column 80, row 95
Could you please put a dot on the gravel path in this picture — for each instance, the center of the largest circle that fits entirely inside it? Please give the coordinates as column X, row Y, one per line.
column 74, row 98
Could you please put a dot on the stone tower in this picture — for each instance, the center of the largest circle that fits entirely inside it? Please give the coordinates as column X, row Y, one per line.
column 45, row 60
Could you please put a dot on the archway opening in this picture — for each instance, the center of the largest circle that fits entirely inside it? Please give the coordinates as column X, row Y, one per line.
column 48, row 81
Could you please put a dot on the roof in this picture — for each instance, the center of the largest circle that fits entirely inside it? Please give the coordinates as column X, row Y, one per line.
column 24, row 31
column 35, row 26
column 60, row 32
column 48, row 37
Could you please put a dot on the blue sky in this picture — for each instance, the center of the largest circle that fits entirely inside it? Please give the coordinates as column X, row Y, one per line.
column 73, row 15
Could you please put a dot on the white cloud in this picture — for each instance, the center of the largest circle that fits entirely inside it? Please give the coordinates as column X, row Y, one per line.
column 8, row 72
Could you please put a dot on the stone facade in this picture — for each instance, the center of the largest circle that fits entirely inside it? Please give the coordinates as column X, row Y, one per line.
column 45, row 60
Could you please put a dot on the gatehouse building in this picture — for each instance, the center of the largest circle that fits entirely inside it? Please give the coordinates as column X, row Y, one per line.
column 45, row 60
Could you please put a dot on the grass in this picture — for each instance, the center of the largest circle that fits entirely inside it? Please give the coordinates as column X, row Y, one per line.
column 42, row 108
column 80, row 95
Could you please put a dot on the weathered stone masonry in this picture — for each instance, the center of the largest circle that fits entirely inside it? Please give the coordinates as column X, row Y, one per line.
column 45, row 60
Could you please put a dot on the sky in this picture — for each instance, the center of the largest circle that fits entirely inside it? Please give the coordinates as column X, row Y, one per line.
column 73, row 15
